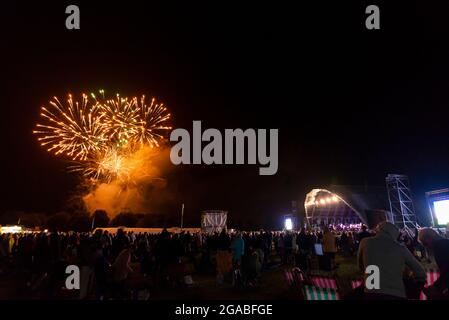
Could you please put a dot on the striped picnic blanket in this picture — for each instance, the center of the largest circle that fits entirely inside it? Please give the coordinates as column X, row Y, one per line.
column 323, row 282
column 431, row 277
column 315, row 293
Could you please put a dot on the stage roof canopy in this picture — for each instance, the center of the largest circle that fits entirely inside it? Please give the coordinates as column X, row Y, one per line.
column 344, row 204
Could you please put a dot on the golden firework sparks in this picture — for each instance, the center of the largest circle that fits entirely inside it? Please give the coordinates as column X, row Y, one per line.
column 106, row 166
column 152, row 124
column 74, row 129
column 101, row 135
column 120, row 116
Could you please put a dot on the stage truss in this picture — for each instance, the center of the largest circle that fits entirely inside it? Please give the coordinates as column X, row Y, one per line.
column 402, row 210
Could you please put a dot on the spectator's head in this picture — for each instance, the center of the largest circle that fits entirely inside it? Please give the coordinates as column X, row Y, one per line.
column 165, row 234
column 364, row 228
column 388, row 229
column 428, row 236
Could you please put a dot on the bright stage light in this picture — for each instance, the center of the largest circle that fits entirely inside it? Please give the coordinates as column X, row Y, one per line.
column 11, row 229
column 322, row 201
column 328, row 200
column 288, row 224
column 441, row 211
column 335, row 198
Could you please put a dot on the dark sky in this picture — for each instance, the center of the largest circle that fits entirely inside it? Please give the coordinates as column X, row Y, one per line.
column 351, row 105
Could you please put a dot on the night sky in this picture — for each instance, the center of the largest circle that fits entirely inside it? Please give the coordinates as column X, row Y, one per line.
column 351, row 105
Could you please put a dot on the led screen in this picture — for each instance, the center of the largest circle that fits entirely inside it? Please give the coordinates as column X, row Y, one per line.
column 288, row 224
column 441, row 209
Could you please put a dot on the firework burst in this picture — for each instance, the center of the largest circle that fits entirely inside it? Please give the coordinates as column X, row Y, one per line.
column 74, row 129
column 151, row 126
column 106, row 166
column 120, row 117
column 101, row 135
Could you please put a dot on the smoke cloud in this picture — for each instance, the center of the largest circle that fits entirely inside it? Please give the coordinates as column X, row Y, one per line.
column 137, row 187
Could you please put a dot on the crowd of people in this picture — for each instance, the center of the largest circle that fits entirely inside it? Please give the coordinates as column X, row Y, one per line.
column 117, row 265
column 126, row 265
column 301, row 246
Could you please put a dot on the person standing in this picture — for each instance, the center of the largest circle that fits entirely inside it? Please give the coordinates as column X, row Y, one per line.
column 238, row 248
column 345, row 245
column 223, row 255
column 439, row 246
column 329, row 248
column 303, row 242
column 363, row 234
column 121, row 270
column 391, row 258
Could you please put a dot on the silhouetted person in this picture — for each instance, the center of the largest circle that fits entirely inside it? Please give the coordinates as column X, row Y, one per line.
column 363, row 234
column 439, row 246
column 329, row 248
column 223, row 255
column 120, row 271
column 391, row 257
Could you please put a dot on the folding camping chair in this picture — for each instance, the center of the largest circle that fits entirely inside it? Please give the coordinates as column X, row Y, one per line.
column 315, row 293
column 357, row 291
column 289, row 277
column 356, row 283
column 295, row 277
column 324, row 282
column 431, row 277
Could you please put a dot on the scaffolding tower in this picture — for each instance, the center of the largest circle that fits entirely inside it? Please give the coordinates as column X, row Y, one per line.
column 401, row 204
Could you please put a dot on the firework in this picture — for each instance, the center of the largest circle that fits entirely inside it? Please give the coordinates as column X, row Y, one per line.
column 106, row 166
column 102, row 135
column 151, row 126
column 120, row 117
column 133, row 120
column 74, row 129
